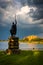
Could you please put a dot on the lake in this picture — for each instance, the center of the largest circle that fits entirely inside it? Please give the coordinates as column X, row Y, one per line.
column 22, row 46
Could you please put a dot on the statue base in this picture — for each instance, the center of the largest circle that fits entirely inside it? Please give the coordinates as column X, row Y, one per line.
column 13, row 45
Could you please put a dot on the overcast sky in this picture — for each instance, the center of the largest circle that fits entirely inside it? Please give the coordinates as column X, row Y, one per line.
column 29, row 15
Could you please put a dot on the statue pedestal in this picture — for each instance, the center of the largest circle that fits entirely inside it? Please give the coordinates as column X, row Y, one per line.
column 13, row 45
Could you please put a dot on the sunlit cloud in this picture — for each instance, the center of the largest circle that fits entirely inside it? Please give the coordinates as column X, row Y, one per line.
column 25, row 13
column 23, row 10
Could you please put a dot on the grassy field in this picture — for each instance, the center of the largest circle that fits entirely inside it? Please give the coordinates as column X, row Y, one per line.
column 24, row 58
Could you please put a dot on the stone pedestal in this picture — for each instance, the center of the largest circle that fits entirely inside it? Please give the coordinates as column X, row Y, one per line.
column 13, row 45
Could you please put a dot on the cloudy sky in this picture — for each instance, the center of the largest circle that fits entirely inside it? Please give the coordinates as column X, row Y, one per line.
column 29, row 15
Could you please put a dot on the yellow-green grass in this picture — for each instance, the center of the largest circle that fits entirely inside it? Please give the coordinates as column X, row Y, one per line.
column 24, row 58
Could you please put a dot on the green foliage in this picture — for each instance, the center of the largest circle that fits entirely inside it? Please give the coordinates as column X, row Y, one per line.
column 32, row 40
column 37, row 39
column 24, row 58
column 22, row 40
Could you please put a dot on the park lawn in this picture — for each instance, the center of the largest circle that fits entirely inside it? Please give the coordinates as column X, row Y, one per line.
column 24, row 58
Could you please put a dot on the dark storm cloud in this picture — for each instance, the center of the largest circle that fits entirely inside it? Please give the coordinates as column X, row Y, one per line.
column 38, row 2
column 38, row 13
column 3, row 6
column 31, row 30
column 41, row 22
column 31, row 2
column 1, row 15
column 3, row 3
column 34, row 14
column 7, row 9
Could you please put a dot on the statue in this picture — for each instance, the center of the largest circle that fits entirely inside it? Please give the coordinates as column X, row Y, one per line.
column 13, row 44
column 13, row 29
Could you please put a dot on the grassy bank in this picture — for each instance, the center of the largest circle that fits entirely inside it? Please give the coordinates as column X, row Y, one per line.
column 24, row 58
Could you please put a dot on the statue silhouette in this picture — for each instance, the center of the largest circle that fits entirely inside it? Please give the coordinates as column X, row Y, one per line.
column 13, row 28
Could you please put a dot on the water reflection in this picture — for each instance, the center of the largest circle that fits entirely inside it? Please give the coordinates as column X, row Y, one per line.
column 22, row 46
column 3, row 45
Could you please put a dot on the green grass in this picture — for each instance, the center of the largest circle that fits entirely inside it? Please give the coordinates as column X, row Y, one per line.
column 24, row 58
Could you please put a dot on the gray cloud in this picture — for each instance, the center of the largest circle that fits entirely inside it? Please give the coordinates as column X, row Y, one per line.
column 25, row 20
column 4, row 3
column 8, row 7
column 38, row 13
column 31, row 2
column 38, row 1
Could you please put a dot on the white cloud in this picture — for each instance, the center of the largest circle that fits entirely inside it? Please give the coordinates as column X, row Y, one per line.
column 23, row 13
column 26, row 9
column 9, row 14
column 23, row 10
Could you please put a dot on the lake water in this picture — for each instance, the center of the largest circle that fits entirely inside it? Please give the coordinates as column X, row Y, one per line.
column 22, row 46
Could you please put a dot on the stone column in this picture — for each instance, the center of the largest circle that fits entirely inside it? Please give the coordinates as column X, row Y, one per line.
column 13, row 45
